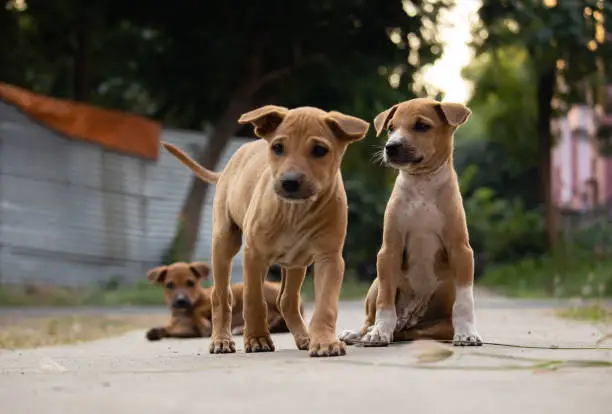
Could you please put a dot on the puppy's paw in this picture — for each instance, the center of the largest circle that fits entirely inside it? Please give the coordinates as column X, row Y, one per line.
column 349, row 336
column 467, row 339
column 222, row 346
column 327, row 348
column 376, row 337
column 302, row 343
column 155, row 334
column 258, row 343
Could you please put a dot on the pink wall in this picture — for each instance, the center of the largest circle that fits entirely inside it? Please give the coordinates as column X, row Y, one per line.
column 579, row 173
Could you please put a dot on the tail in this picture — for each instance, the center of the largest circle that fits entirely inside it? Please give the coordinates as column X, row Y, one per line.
column 204, row 174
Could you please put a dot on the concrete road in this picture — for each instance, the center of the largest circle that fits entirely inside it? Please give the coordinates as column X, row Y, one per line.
column 129, row 375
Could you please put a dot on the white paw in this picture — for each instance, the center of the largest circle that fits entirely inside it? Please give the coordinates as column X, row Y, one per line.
column 377, row 337
column 349, row 336
column 381, row 333
column 467, row 338
column 463, row 319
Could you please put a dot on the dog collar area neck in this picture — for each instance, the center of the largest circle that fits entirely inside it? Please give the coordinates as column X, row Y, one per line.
column 428, row 173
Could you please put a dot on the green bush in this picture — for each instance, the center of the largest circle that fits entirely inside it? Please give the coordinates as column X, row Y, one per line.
column 564, row 273
column 596, row 237
column 365, row 223
column 501, row 230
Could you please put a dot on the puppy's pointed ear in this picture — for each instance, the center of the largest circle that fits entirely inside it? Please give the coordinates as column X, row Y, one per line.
column 347, row 128
column 265, row 119
column 157, row 275
column 201, row 270
column 381, row 122
column 455, row 113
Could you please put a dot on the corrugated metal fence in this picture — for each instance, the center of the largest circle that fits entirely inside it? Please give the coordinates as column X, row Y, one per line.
column 73, row 213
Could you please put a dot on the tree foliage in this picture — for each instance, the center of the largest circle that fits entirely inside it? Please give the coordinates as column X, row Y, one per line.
column 566, row 52
column 505, row 111
column 198, row 64
column 551, row 31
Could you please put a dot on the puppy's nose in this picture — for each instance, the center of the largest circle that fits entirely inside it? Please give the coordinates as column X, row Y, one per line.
column 392, row 148
column 181, row 302
column 291, row 182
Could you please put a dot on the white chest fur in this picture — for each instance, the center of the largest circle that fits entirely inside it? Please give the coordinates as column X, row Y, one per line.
column 419, row 216
column 418, row 209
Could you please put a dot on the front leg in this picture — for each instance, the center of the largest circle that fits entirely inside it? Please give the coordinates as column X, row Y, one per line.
column 352, row 336
column 256, row 333
column 155, row 334
column 464, row 324
column 329, row 272
column 389, row 267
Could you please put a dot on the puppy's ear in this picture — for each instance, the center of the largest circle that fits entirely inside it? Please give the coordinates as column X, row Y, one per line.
column 381, row 122
column 265, row 119
column 455, row 113
column 157, row 275
column 346, row 127
column 200, row 269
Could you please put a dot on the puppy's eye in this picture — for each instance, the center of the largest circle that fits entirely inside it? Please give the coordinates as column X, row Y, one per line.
column 278, row 149
column 420, row 126
column 319, row 151
column 390, row 127
column 169, row 285
column 190, row 283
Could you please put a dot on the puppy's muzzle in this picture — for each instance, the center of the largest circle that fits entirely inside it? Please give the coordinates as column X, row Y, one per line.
column 181, row 302
column 292, row 186
column 400, row 154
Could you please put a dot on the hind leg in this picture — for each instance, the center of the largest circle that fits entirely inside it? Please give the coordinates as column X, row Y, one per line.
column 256, row 333
column 226, row 243
column 439, row 331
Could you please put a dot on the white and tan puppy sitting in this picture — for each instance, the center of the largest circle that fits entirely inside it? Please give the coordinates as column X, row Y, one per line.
column 424, row 288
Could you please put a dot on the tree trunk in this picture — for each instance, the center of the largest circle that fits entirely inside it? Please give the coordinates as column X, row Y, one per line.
column 186, row 235
column 546, row 86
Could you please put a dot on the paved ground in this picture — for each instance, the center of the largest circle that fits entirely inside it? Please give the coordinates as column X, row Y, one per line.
column 129, row 375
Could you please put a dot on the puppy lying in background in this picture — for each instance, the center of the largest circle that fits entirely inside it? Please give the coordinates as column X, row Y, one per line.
column 425, row 267
column 191, row 305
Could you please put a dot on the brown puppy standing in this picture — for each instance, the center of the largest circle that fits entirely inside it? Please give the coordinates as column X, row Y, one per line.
column 424, row 288
column 285, row 195
column 191, row 307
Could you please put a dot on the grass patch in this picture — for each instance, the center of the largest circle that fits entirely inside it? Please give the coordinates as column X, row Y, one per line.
column 31, row 332
column 142, row 294
column 595, row 312
column 568, row 274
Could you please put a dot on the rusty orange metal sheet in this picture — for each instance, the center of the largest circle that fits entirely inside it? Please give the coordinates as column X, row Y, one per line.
column 114, row 130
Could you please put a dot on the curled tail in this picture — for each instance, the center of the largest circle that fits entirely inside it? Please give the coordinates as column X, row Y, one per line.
column 206, row 175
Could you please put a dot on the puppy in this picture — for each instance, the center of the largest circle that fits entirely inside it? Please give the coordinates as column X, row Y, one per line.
column 191, row 307
column 285, row 195
column 425, row 267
